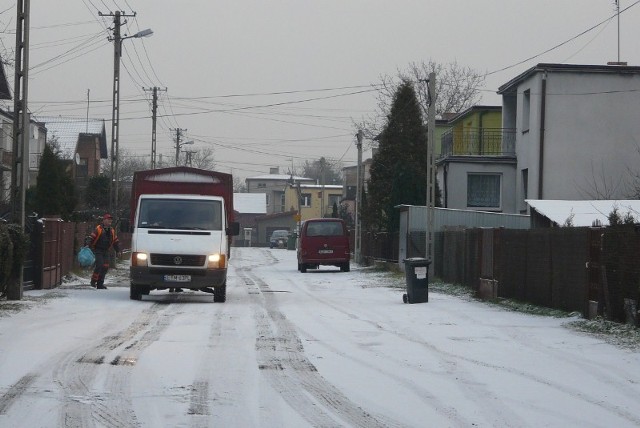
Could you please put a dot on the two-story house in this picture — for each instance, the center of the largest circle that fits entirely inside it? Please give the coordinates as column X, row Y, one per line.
column 576, row 131
column 274, row 185
column 477, row 161
column 37, row 138
column 81, row 143
column 313, row 200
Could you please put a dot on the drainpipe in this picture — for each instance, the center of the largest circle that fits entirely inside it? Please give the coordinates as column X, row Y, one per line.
column 543, row 100
column 445, row 174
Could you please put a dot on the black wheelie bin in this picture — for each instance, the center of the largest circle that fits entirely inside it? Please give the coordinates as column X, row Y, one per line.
column 417, row 273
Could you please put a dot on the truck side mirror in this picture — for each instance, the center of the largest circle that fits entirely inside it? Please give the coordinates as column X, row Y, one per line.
column 233, row 229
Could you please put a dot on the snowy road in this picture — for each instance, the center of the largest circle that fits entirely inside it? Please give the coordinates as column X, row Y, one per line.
column 287, row 349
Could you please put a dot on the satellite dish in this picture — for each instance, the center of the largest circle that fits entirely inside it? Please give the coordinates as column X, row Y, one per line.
column 77, row 159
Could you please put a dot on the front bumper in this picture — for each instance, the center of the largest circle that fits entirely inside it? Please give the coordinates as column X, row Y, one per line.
column 200, row 278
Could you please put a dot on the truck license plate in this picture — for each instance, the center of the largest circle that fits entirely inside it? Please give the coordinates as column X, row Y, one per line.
column 325, row 251
column 177, row 278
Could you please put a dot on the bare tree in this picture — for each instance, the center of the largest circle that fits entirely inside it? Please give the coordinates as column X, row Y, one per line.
column 457, row 88
column 203, row 159
column 634, row 178
column 601, row 185
column 239, row 185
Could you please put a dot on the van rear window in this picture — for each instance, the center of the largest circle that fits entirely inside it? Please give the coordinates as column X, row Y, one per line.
column 324, row 228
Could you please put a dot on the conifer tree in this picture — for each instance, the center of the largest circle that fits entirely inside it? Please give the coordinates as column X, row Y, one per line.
column 55, row 191
column 398, row 170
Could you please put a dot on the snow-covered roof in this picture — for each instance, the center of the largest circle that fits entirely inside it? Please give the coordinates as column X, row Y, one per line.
column 67, row 130
column 583, row 213
column 279, row 177
column 320, row 186
column 250, row 203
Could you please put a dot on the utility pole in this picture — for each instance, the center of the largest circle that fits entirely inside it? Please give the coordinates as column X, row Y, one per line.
column 358, row 242
column 188, row 154
column 431, row 174
column 178, row 136
column 20, row 146
column 115, row 116
column 154, row 111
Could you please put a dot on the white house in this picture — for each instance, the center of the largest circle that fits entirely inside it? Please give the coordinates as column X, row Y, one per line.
column 577, row 131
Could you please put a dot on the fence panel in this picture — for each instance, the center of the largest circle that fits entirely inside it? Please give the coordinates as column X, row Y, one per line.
column 511, row 262
column 51, row 266
column 538, row 284
column 453, row 257
column 569, row 277
column 473, row 242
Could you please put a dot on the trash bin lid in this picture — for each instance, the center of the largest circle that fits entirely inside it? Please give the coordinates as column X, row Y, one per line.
column 417, row 261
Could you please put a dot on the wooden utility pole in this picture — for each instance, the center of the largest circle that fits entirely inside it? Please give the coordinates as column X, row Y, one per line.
column 431, row 173
column 20, row 146
column 178, row 137
column 154, row 112
column 358, row 241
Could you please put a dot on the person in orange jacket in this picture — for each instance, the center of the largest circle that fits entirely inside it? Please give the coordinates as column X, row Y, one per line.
column 101, row 240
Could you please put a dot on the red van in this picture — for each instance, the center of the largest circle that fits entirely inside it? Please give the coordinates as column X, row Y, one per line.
column 323, row 241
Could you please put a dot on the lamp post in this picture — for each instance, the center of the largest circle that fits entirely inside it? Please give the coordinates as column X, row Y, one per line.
column 358, row 242
column 115, row 118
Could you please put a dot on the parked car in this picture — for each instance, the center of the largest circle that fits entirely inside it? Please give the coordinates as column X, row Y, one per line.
column 279, row 239
column 323, row 241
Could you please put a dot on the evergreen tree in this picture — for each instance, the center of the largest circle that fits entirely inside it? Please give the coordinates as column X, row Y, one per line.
column 398, row 170
column 97, row 193
column 55, row 191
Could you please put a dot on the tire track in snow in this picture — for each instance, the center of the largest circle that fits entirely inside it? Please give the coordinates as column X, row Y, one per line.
column 15, row 391
column 486, row 399
column 86, row 401
column 292, row 375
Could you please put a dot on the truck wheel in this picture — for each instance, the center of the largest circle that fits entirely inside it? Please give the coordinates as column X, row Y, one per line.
column 220, row 293
column 303, row 268
column 345, row 267
column 134, row 292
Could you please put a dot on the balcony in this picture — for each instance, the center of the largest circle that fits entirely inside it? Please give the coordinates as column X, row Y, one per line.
column 479, row 142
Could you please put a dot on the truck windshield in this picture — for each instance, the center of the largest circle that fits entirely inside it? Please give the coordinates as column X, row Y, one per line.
column 185, row 214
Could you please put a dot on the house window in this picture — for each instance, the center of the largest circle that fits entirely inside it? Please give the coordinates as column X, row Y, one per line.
column 334, row 200
column 305, row 200
column 483, row 190
column 82, row 168
column 282, row 199
column 268, row 202
column 526, row 110
column 525, row 183
column 262, row 185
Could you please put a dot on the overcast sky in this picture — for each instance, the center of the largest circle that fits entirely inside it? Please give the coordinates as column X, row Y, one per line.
column 222, row 60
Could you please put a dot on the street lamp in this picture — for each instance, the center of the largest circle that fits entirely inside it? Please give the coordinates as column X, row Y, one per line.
column 115, row 118
column 178, row 146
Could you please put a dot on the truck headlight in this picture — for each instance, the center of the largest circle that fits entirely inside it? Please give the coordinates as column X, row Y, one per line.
column 216, row 261
column 139, row 259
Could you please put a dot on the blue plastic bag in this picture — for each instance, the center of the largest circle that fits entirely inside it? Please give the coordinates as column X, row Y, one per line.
column 86, row 257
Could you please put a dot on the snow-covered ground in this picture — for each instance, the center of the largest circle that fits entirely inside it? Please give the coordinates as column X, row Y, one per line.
column 287, row 349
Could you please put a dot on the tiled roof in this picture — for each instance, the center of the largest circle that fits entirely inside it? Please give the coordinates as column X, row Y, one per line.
column 67, row 130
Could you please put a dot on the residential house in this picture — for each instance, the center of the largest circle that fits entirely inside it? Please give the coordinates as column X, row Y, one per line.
column 313, row 200
column 82, row 144
column 576, row 131
column 350, row 187
column 37, row 138
column 274, row 185
column 247, row 207
column 476, row 166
